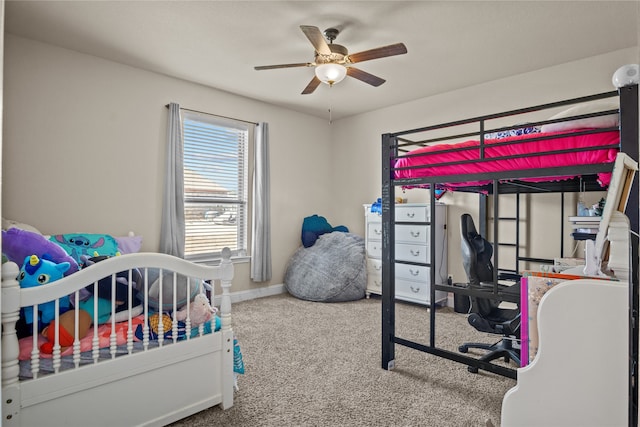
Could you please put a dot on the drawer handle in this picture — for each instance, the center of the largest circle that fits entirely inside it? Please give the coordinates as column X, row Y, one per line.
column 377, row 267
column 415, row 233
column 415, row 253
column 414, row 290
column 376, row 231
column 411, row 214
column 414, row 272
column 375, row 282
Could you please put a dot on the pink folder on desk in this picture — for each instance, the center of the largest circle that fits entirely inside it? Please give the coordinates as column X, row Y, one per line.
column 524, row 323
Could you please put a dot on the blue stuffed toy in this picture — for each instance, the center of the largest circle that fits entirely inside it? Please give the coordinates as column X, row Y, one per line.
column 40, row 271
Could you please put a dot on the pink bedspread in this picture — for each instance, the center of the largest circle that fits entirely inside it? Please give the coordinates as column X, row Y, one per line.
column 497, row 148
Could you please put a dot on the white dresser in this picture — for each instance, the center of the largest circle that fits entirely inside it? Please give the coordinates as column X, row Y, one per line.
column 412, row 246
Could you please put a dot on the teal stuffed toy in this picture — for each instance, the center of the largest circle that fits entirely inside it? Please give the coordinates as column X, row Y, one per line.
column 79, row 245
column 315, row 226
column 40, row 271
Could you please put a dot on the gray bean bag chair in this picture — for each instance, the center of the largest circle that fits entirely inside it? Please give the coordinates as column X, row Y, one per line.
column 334, row 269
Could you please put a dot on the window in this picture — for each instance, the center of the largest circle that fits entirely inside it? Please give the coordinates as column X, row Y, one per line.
column 215, row 185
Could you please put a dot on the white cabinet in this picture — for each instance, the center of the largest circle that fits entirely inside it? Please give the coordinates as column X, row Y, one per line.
column 373, row 242
column 412, row 251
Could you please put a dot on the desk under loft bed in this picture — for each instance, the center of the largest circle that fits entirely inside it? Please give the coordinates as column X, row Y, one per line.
column 569, row 152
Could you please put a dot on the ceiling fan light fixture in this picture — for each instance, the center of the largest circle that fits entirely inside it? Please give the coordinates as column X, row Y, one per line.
column 331, row 73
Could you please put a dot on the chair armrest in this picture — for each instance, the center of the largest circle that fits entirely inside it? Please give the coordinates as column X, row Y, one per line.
column 504, row 289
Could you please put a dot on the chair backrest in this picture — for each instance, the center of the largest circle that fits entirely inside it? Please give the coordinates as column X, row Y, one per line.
column 476, row 258
column 476, row 253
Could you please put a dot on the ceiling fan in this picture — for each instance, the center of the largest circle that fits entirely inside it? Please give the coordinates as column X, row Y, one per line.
column 333, row 61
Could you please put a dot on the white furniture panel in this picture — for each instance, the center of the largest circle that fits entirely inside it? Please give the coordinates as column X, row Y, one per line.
column 412, row 244
column 579, row 377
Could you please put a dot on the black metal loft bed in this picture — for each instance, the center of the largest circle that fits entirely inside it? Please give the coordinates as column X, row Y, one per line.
column 402, row 145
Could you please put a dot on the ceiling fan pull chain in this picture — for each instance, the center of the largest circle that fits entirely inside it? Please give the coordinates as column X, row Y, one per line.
column 330, row 87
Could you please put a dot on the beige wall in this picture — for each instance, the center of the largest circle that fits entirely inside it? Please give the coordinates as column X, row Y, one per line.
column 84, row 140
column 360, row 136
column 84, row 148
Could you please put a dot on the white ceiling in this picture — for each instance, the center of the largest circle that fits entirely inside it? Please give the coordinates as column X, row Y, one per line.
column 451, row 44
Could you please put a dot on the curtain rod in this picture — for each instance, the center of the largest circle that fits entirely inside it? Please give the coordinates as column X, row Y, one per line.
column 216, row 115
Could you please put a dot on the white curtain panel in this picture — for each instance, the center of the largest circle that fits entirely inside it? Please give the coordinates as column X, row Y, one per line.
column 172, row 229
column 261, row 225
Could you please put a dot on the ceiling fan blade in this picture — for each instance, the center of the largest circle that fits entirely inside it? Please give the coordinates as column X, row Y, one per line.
column 313, row 84
column 316, row 38
column 379, row 52
column 364, row 76
column 271, row 67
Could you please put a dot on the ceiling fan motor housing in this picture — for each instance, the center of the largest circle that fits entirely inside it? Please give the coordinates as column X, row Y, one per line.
column 331, row 34
column 338, row 55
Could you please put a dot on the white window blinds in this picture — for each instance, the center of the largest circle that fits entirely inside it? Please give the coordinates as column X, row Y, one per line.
column 215, row 185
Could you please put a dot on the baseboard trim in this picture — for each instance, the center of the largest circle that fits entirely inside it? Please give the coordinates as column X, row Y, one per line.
column 253, row 294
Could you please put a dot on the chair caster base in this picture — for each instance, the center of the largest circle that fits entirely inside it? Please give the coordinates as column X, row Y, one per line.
column 472, row 369
column 463, row 349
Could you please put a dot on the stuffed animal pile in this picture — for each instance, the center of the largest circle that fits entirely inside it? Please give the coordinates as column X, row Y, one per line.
column 44, row 260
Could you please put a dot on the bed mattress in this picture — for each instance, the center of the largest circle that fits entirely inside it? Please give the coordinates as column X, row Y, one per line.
column 522, row 152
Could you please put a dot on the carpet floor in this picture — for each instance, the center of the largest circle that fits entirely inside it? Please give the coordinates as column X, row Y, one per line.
column 318, row 364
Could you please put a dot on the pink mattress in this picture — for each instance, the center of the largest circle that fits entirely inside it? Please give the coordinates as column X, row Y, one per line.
column 495, row 148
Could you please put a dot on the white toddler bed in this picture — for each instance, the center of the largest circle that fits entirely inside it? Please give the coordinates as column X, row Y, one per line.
column 140, row 378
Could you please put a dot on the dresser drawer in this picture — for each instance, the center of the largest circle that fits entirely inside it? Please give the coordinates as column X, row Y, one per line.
column 374, row 249
column 419, row 292
column 412, row 253
column 374, row 267
column 403, row 233
column 406, row 289
column 419, row 273
column 404, row 251
column 412, row 213
column 374, row 230
column 372, row 216
column 417, row 234
column 374, row 284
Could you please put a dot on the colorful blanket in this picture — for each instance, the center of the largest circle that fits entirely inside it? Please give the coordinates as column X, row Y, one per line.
column 104, row 336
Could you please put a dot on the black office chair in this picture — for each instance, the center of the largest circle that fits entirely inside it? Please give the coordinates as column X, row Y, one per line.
column 484, row 314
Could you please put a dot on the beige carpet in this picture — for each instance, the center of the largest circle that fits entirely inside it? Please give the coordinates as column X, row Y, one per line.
column 316, row 364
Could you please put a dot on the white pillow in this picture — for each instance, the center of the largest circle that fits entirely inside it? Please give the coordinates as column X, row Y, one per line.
column 610, row 120
column 9, row 223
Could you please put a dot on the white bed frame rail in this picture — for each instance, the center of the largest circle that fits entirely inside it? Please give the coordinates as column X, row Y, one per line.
column 155, row 386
